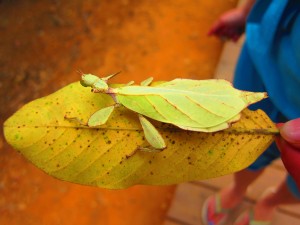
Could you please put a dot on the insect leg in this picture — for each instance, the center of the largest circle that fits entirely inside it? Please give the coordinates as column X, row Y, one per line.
column 147, row 82
column 110, row 76
column 101, row 116
column 75, row 120
column 129, row 83
column 152, row 135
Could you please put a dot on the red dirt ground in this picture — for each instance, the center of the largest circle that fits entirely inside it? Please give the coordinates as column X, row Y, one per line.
column 43, row 44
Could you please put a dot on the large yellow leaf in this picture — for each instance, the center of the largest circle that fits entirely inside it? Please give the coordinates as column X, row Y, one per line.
column 107, row 156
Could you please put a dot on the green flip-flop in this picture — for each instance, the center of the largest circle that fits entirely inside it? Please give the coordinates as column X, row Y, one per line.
column 251, row 219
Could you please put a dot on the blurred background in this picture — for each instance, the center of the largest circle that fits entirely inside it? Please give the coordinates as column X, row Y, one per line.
column 42, row 45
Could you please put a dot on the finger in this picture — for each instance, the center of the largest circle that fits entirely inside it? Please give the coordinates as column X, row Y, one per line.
column 235, row 38
column 215, row 28
column 290, row 131
column 228, row 34
column 222, row 33
column 290, row 157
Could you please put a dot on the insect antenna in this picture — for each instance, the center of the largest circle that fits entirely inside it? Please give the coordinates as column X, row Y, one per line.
column 79, row 71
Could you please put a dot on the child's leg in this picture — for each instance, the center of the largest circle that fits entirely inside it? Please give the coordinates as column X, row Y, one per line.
column 233, row 194
column 265, row 207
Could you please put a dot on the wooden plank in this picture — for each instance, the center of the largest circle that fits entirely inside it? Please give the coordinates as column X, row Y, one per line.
column 171, row 222
column 188, row 202
column 278, row 165
column 285, row 219
column 228, row 60
column 187, row 206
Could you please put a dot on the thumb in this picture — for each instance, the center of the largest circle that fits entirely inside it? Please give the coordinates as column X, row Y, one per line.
column 290, row 131
column 291, row 158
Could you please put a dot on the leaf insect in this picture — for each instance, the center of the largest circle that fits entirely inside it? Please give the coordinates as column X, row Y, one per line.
column 195, row 105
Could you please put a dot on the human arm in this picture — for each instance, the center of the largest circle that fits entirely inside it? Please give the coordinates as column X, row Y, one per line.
column 289, row 145
column 231, row 24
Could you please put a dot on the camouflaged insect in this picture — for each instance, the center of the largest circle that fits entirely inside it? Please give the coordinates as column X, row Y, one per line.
column 195, row 105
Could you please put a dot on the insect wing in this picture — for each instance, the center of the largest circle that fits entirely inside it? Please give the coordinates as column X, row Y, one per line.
column 188, row 103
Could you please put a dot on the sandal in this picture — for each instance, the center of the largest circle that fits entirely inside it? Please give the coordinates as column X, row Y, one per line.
column 216, row 217
column 249, row 217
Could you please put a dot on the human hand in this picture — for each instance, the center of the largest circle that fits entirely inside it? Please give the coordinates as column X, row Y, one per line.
column 289, row 145
column 230, row 25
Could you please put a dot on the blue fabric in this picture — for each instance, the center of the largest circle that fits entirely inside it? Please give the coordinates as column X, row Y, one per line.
column 247, row 78
column 270, row 61
column 293, row 187
column 266, row 158
column 273, row 45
